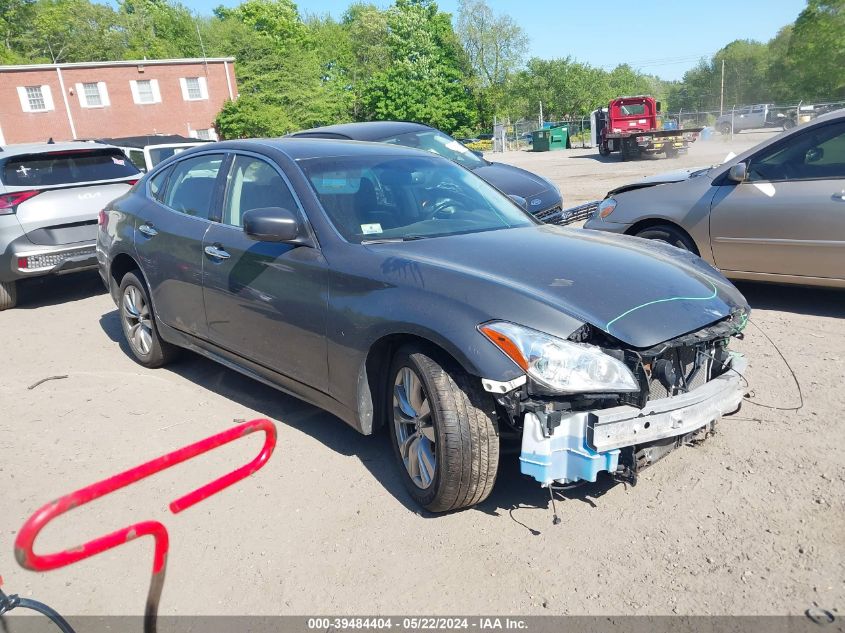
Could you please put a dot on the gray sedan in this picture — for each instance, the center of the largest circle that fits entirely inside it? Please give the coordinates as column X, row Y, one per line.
column 774, row 213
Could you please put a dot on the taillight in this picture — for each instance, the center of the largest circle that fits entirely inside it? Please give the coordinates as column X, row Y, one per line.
column 9, row 201
column 103, row 219
column 132, row 182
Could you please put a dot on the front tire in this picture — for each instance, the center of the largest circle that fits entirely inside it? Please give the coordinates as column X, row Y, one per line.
column 8, row 295
column 670, row 235
column 139, row 324
column 443, row 431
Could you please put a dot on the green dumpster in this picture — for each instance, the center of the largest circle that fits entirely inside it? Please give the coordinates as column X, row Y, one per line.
column 559, row 137
column 540, row 140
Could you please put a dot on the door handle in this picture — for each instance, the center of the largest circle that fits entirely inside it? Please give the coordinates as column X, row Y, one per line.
column 216, row 252
column 839, row 197
column 148, row 230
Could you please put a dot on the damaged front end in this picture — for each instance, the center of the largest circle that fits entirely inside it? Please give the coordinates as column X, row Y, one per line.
column 680, row 389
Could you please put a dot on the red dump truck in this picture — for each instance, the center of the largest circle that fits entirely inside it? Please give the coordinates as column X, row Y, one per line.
column 630, row 126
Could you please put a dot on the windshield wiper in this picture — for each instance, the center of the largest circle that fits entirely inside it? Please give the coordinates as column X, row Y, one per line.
column 394, row 240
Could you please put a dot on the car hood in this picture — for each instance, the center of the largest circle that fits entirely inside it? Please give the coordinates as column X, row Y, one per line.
column 677, row 175
column 515, row 181
column 639, row 291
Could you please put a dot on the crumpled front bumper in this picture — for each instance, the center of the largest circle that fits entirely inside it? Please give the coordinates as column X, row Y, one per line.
column 585, row 443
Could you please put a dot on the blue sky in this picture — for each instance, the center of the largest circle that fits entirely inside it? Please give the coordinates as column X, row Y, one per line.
column 664, row 38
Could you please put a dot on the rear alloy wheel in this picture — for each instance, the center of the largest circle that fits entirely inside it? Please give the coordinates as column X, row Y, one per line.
column 139, row 327
column 670, row 235
column 725, row 129
column 8, row 295
column 443, row 431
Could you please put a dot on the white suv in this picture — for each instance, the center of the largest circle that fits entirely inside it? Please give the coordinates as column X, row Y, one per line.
column 50, row 197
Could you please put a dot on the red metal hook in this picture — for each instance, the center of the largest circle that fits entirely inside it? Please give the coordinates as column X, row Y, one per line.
column 28, row 559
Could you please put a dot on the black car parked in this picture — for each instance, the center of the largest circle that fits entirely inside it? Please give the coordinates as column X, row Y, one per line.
column 395, row 288
column 542, row 197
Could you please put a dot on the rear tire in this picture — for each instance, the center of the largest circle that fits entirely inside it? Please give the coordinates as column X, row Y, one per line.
column 8, row 294
column 670, row 235
column 139, row 325
column 725, row 129
column 442, row 404
column 788, row 123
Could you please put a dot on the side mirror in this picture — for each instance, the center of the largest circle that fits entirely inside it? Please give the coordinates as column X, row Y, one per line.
column 814, row 154
column 658, row 107
column 273, row 224
column 738, row 172
column 521, row 202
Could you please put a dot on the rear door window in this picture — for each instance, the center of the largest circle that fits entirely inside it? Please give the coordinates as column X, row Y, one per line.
column 66, row 168
column 157, row 183
column 191, row 187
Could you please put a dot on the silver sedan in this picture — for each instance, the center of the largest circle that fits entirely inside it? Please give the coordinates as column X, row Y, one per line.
column 774, row 213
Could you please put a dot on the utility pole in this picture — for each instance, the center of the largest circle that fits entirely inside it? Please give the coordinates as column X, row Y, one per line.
column 541, row 115
column 722, row 91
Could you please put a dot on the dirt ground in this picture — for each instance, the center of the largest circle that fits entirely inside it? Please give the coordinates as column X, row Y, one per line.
column 749, row 522
column 582, row 175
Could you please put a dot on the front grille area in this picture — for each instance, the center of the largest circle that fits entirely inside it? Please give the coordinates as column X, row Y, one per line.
column 678, row 370
column 559, row 216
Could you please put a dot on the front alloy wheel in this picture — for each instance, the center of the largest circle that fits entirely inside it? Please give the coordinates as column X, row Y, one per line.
column 414, row 428
column 443, row 430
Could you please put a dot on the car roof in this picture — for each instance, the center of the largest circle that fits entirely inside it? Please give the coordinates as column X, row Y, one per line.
column 298, row 148
column 141, row 142
column 7, row 151
column 366, row 131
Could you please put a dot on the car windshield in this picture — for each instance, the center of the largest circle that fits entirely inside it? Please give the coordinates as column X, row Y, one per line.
column 67, row 167
column 439, row 143
column 383, row 198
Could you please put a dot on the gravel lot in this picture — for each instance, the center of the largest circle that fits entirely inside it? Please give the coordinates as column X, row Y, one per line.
column 749, row 522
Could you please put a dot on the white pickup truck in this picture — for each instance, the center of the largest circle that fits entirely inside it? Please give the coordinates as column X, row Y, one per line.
column 754, row 117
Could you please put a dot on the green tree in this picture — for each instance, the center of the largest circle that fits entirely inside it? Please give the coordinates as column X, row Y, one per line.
column 424, row 80
column 817, row 49
column 159, row 29
column 71, row 31
column 15, row 16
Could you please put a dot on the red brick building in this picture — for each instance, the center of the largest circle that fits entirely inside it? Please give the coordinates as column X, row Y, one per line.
column 110, row 99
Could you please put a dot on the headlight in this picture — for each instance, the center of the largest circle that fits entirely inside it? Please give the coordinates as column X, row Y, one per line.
column 606, row 207
column 562, row 366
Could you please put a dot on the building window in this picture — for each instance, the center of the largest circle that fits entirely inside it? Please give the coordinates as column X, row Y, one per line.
column 35, row 98
column 194, row 88
column 92, row 94
column 193, row 85
column 204, row 135
column 145, row 91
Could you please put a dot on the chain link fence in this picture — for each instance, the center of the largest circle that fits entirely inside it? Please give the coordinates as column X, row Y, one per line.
column 518, row 135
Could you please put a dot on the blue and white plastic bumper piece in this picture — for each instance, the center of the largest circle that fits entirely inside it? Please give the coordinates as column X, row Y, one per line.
column 588, row 442
column 565, row 456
